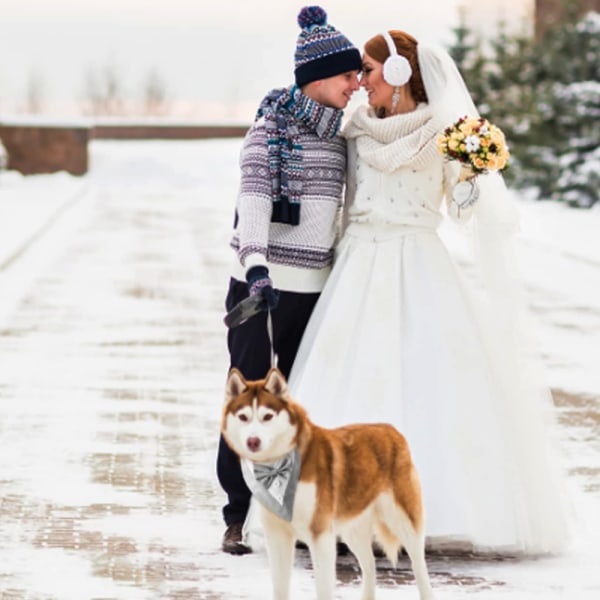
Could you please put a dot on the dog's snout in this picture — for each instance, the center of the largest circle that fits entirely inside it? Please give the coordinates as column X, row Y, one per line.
column 253, row 443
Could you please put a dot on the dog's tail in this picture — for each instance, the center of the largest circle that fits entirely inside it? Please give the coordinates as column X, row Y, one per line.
column 390, row 543
column 394, row 527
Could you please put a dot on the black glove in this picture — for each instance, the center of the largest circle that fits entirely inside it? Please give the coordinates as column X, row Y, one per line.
column 259, row 282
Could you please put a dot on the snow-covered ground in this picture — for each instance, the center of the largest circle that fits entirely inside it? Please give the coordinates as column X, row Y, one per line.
column 559, row 247
column 132, row 261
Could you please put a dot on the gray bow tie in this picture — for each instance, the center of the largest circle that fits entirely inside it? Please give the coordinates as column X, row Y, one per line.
column 260, row 479
column 267, row 474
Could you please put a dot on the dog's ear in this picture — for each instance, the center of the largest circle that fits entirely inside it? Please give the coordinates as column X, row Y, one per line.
column 235, row 385
column 276, row 384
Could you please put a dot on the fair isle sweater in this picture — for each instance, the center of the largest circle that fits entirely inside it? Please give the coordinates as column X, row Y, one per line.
column 299, row 257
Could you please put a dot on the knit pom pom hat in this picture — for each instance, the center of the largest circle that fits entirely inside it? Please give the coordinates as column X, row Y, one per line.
column 321, row 50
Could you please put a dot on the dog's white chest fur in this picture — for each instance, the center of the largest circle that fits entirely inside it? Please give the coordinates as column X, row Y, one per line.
column 304, row 509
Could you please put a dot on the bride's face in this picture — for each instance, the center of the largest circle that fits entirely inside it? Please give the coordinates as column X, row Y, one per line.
column 378, row 90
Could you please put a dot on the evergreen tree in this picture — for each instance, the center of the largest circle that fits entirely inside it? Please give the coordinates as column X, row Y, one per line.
column 572, row 109
column 545, row 94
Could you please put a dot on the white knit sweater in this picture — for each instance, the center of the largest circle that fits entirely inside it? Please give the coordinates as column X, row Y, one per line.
column 299, row 257
column 396, row 174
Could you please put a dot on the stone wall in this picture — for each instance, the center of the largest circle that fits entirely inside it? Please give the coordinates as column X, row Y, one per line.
column 38, row 148
column 134, row 131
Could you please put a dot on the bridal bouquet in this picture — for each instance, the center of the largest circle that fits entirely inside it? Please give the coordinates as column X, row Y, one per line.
column 476, row 143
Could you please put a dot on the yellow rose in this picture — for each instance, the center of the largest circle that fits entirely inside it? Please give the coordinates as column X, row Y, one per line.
column 479, row 163
column 497, row 136
column 493, row 163
column 465, row 129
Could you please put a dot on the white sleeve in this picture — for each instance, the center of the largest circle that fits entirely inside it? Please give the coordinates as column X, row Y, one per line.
column 254, row 205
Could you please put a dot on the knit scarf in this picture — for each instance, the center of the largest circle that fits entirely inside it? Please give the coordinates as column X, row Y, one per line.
column 284, row 110
column 404, row 140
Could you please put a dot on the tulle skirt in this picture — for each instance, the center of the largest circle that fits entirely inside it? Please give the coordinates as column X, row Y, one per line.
column 398, row 337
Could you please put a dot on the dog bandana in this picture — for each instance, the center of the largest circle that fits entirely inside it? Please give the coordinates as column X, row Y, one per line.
column 274, row 484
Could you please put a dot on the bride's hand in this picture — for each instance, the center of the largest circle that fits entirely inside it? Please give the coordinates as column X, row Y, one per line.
column 466, row 173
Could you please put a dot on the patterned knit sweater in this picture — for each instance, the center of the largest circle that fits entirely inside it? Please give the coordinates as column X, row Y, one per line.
column 299, row 257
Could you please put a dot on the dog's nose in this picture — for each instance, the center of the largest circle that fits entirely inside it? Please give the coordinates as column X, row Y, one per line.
column 253, row 443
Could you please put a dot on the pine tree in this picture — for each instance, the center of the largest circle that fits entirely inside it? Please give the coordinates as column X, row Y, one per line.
column 572, row 109
column 545, row 94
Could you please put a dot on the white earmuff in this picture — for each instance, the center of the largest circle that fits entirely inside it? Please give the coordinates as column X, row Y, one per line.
column 396, row 69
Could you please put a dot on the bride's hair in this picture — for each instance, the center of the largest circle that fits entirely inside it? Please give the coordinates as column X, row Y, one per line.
column 406, row 45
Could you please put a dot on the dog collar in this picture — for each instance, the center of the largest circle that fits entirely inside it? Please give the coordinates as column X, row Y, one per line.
column 274, row 484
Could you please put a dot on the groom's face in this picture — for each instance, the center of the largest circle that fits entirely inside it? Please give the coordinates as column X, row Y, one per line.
column 335, row 91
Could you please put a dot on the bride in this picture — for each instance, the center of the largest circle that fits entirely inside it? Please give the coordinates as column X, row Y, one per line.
column 398, row 336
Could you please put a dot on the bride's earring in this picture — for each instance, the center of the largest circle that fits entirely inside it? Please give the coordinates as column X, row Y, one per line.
column 395, row 99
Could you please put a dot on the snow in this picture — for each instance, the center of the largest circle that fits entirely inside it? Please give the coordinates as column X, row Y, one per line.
column 70, row 412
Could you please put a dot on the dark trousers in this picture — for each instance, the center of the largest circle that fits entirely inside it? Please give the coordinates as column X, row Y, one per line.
column 250, row 352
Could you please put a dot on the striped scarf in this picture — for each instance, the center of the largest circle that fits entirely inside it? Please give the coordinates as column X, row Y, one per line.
column 284, row 110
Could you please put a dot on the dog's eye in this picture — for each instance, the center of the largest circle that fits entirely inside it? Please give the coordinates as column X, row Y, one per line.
column 268, row 417
column 242, row 417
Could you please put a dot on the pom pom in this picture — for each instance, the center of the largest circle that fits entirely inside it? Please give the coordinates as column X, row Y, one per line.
column 311, row 15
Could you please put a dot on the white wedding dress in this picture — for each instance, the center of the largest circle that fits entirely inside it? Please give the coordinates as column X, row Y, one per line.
column 398, row 337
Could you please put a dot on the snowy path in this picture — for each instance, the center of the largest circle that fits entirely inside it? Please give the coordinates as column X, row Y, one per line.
column 112, row 362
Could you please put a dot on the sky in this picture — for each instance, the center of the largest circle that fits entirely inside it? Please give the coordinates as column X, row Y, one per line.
column 216, row 59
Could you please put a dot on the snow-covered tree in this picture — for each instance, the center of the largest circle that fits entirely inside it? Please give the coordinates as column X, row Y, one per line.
column 571, row 109
column 578, row 105
column 545, row 94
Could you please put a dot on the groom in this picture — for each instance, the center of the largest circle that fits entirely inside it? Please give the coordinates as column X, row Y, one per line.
column 293, row 164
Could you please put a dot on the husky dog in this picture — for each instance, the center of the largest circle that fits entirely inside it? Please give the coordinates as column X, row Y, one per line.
column 314, row 484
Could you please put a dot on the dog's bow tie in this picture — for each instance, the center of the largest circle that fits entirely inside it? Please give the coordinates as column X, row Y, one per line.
column 267, row 474
column 274, row 485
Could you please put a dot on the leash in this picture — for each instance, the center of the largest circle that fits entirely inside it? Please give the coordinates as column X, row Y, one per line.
column 270, row 334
